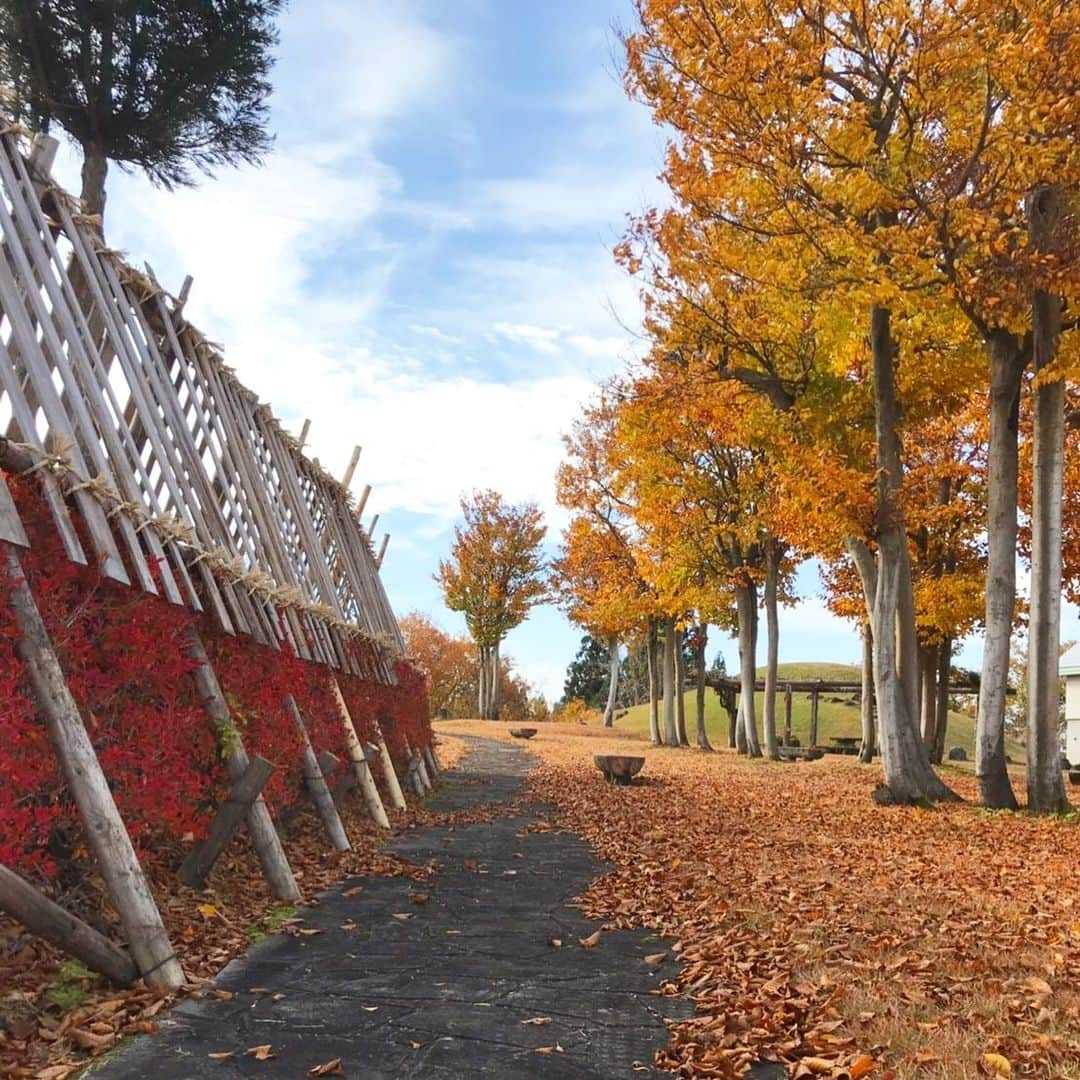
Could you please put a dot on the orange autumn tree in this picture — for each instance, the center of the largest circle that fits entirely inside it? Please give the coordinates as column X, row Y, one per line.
column 452, row 671
column 595, row 576
column 495, row 575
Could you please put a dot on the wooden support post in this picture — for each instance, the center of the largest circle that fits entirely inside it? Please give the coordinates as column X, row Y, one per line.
column 412, row 776
column 382, row 551
column 105, row 830
column 50, row 921
column 787, row 715
column 432, row 764
column 304, row 433
column 814, row 698
column 421, row 768
column 359, row 761
column 346, row 480
column 397, row 796
column 195, row 869
column 370, row 532
column 362, row 501
column 341, row 781
column 264, row 836
column 316, row 783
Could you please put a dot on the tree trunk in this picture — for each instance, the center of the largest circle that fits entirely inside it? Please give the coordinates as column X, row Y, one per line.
column 654, row 683
column 908, row 773
column 928, row 665
column 481, row 683
column 496, row 686
column 1046, row 789
column 772, row 635
column 700, row 644
column 94, row 170
column 866, row 701
column 746, row 603
column 680, row 690
column 733, row 719
column 787, row 715
column 613, row 681
column 941, row 720
column 671, row 735
column 1006, row 371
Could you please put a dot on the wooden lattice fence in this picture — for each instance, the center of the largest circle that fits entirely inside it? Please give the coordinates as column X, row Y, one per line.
column 186, row 487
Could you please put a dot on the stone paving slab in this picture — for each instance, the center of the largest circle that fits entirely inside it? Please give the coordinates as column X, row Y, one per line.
column 445, row 991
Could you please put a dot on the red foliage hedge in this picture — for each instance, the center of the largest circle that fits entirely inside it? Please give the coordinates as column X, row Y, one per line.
column 122, row 653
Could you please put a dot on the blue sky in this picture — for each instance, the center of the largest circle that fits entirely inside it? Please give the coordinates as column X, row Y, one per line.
column 423, row 266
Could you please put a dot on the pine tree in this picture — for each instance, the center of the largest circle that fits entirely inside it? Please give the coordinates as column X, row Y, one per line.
column 587, row 674
column 170, row 87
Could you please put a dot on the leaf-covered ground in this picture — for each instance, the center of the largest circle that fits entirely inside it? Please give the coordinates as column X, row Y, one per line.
column 818, row 929
column 55, row 1015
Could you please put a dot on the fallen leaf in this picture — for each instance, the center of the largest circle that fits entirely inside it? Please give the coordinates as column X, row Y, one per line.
column 862, row 1066
column 555, row 943
column 207, row 911
column 997, row 1065
column 1037, row 985
column 356, row 890
column 328, row 1068
column 591, row 941
column 260, row 1053
column 471, row 864
column 419, row 897
column 538, row 1020
column 655, row 958
column 221, row 1055
column 403, row 915
column 556, row 1049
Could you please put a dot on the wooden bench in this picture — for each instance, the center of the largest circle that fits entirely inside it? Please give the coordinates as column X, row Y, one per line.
column 800, row 753
column 523, row 732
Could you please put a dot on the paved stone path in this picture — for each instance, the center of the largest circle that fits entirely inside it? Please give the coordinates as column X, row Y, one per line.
column 446, row 992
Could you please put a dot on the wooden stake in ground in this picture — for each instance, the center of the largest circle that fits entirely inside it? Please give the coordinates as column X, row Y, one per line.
column 264, row 836
column 105, row 830
column 359, row 761
column 421, row 768
column 195, row 869
column 316, row 783
column 50, row 921
column 393, row 787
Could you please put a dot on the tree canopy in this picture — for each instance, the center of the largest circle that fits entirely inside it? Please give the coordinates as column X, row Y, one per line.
column 171, row 87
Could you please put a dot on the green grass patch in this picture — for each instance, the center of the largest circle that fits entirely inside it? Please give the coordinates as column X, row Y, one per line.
column 271, row 922
column 838, row 714
column 70, row 986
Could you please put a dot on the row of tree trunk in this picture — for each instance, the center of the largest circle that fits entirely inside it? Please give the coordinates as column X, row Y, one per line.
column 490, row 691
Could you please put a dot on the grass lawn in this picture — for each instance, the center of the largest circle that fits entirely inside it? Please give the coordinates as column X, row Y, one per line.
column 837, row 714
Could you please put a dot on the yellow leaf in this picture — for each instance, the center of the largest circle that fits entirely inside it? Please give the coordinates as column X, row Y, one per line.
column 207, row 911
column 997, row 1064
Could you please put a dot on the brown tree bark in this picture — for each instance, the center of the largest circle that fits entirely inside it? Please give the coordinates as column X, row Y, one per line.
column 654, row 683
column 701, row 643
column 772, row 636
column 866, row 700
column 908, row 774
column 746, row 604
column 1045, row 786
column 1006, row 371
column 680, row 687
column 671, row 735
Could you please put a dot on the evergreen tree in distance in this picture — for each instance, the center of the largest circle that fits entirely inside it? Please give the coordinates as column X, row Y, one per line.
column 171, row 87
column 587, row 674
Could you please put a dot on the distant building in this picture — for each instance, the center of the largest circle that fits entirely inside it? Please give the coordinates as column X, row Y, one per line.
column 1070, row 672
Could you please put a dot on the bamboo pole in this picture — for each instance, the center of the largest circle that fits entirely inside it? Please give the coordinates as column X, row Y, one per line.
column 264, row 836
column 316, row 783
column 106, row 833
column 50, row 921
column 359, row 760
